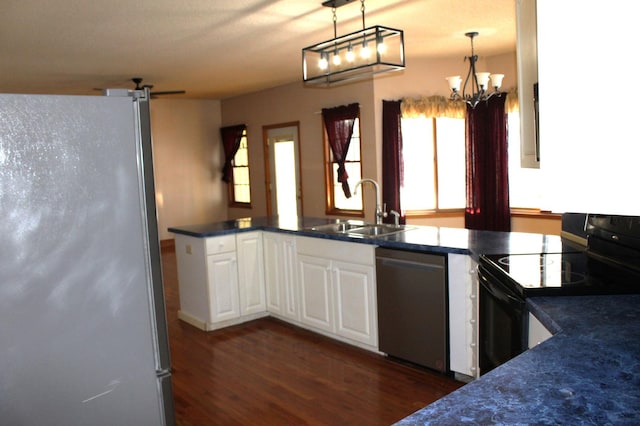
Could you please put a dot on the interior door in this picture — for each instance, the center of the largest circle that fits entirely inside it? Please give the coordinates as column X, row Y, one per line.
column 284, row 189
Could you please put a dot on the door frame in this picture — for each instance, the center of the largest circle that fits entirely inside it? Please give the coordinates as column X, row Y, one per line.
column 267, row 162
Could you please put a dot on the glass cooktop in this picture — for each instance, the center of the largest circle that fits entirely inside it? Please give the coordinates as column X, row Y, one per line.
column 559, row 273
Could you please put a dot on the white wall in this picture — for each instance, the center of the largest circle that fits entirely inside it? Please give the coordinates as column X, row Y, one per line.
column 187, row 161
column 294, row 102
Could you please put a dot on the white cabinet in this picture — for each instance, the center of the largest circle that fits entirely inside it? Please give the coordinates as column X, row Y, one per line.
column 316, row 293
column 355, row 302
column 463, row 315
column 222, row 283
column 280, row 275
column 589, row 147
column 220, row 279
column 251, row 288
column 337, row 289
column 527, row 56
column 538, row 333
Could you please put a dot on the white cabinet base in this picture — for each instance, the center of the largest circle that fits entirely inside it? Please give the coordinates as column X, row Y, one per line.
column 208, row 326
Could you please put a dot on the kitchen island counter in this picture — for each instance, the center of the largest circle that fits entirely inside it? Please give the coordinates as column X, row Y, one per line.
column 587, row 373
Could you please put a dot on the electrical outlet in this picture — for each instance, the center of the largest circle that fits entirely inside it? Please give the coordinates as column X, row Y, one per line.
column 188, row 248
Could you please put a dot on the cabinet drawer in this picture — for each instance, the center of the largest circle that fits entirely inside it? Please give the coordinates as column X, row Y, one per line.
column 363, row 254
column 220, row 244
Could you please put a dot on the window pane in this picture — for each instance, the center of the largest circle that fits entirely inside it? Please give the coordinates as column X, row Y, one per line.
column 340, row 201
column 241, row 187
column 450, row 137
column 242, row 158
column 418, row 192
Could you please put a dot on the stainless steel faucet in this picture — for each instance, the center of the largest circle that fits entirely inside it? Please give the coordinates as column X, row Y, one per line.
column 380, row 212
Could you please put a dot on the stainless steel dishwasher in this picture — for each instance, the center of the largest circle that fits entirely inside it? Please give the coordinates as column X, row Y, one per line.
column 412, row 307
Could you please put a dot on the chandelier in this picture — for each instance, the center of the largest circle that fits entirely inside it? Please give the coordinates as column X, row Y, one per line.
column 353, row 56
column 479, row 81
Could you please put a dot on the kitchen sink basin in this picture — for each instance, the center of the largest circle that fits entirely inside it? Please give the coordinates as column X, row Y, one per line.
column 336, row 228
column 359, row 229
column 378, row 230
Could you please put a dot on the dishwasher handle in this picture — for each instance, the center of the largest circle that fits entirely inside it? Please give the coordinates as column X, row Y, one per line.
column 384, row 261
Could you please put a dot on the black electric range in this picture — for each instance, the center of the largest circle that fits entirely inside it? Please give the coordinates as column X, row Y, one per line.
column 610, row 264
column 561, row 274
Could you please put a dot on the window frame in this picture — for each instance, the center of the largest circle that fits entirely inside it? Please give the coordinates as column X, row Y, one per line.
column 231, row 185
column 330, row 178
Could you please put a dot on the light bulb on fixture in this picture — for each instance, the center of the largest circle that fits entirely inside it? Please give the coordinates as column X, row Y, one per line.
column 380, row 46
column 350, row 55
column 323, row 64
column 336, row 58
column 479, row 81
column 365, row 52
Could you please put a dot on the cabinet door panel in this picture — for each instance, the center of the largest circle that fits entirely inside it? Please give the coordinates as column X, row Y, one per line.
column 251, row 273
column 290, row 279
column 355, row 302
column 273, row 272
column 315, row 292
column 223, row 287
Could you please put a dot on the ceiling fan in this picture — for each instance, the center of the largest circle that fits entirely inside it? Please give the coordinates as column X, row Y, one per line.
column 139, row 86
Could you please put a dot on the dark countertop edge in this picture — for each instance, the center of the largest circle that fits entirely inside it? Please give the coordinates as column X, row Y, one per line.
column 229, row 227
column 419, row 238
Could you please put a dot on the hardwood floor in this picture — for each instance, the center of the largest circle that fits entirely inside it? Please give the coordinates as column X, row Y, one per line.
column 268, row 372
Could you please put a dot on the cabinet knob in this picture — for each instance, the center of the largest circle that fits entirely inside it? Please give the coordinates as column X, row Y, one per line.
column 473, row 345
column 472, row 321
column 472, row 296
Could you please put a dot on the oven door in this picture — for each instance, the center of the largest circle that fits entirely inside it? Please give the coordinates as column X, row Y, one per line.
column 503, row 322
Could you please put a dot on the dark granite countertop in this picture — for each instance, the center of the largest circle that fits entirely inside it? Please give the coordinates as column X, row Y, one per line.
column 420, row 238
column 587, row 373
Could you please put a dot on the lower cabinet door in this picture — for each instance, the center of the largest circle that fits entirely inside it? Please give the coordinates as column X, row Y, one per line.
column 355, row 310
column 250, row 273
column 315, row 292
column 222, row 275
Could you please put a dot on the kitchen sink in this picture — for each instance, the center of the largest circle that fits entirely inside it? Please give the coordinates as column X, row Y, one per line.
column 336, row 228
column 369, row 230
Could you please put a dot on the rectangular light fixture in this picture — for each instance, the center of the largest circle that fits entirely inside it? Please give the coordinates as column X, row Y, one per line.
column 358, row 55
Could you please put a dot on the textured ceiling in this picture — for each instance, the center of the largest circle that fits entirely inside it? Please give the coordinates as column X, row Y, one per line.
column 216, row 48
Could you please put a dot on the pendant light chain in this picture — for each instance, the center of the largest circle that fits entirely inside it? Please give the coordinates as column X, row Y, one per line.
column 335, row 22
column 362, row 10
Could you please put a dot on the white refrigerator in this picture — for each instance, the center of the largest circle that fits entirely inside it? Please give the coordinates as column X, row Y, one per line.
column 83, row 334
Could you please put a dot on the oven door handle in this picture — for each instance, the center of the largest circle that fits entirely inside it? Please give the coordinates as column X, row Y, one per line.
column 500, row 293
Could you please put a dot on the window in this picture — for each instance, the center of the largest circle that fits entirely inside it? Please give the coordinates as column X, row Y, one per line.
column 239, row 187
column 434, row 164
column 337, row 203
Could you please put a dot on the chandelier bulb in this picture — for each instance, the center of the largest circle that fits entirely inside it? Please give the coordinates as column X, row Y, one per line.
column 336, row 58
column 323, row 64
column 350, row 55
column 496, row 80
column 365, row 53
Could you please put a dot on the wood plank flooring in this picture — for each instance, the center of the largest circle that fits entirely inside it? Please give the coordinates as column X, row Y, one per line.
column 268, row 372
